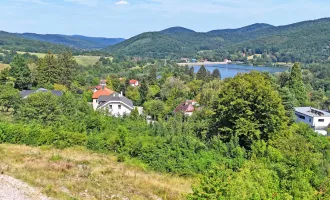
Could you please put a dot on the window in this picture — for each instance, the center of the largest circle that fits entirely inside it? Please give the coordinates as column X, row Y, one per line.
column 301, row 117
column 110, row 106
column 310, row 119
column 321, row 120
column 119, row 107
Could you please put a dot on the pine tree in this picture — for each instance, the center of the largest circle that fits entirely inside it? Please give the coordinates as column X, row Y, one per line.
column 296, row 85
column 216, row 74
column 21, row 72
column 143, row 89
column 192, row 72
column 288, row 101
column 202, row 73
column 152, row 78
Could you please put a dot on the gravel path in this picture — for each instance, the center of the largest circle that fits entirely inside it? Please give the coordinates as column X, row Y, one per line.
column 13, row 189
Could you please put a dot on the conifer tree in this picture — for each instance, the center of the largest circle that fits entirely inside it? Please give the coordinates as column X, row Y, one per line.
column 296, row 85
column 21, row 72
column 202, row 73
column 216, row 74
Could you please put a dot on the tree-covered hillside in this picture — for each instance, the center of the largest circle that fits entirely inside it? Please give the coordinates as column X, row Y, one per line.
column 305, row 42
column 75, row 41
column 10, row 41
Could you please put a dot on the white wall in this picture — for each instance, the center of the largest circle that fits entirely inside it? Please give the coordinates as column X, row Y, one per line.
column 95, row 104
column 313, row 121
column 115, row 111
column 321, row 124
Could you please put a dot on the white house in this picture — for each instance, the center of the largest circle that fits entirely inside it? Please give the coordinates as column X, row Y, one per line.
column 116, row 104
column 319, row 120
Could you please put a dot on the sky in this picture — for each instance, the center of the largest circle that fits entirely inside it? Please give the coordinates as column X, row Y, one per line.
column 127, row 18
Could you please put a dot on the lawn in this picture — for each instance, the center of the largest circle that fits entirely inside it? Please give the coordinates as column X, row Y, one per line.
column 251, row 57
column 77, row 173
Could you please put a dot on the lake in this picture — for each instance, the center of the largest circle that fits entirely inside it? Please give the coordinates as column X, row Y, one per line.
column 231, row 70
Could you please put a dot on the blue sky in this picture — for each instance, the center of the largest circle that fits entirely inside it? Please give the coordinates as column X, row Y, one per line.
column 126, row 18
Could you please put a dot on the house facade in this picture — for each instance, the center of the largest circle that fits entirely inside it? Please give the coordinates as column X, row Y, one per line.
column 98, row 93
column 115, row 104
column 317, row 119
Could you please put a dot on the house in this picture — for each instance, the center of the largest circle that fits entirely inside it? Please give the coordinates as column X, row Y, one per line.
column 317, row 119
column 185, row 60
column 98, row 93
column 134, row 83
column 103, row 83
column 26, row 93
column 187, row 107
column 116, row 104
column 193, row 60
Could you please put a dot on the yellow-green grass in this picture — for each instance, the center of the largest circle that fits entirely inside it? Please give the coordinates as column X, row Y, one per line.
column 77, row 173
column 39, row 55
column 251, row 57
column 87, row 60
column 81, row 60
column 3, row 66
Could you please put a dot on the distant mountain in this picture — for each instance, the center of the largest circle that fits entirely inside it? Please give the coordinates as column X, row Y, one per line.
column 11, row 41
column 177, row 29
column 75, row 41
column 296, row 41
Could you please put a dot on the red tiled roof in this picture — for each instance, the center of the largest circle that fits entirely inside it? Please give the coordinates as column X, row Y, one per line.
column 133, row 81
column 98, row 87
column 186, row 106
column 102, row 92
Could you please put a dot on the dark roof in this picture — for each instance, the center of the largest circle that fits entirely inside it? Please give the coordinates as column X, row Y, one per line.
column 115, row 97
column 26, row 93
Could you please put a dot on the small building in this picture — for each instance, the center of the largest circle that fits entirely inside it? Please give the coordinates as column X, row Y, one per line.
column 317, row 119
column 134, row 83
column 185, row 60
column 116, row 104
column 26, row 93
column 187, row 107
column 193, row 60
column 98, row 93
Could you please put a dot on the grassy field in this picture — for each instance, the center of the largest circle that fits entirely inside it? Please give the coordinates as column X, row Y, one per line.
column 3, row 66
column 77, row 173
column 251, row 57
column 81, row 60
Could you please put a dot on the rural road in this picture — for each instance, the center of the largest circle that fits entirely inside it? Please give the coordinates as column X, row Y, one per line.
column 13, row 189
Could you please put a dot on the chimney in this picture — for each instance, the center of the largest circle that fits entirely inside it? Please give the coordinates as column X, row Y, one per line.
column 121, row 93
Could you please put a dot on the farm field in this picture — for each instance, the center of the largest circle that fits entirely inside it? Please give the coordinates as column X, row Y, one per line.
column 81, row 60
column 77, row 173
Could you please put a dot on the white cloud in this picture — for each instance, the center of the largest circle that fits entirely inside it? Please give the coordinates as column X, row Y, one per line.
column 122, row 2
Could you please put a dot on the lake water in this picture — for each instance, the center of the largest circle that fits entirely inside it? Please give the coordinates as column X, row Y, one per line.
column 229, row 71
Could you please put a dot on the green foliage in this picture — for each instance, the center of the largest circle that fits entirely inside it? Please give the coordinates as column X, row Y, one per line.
column 133, row 94
column 9, row 98
column 155, row 108
column 297, row 86
column 202, row 73
column 216, row 74
column 20, row 72
column 248, row 108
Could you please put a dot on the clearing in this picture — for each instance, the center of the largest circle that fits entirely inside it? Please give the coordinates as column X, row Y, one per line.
column 81, row 60
column 77, row 173
column 3, row 66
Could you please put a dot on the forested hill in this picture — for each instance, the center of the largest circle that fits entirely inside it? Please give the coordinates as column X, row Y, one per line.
column 294, row 42
column 74, row 41
column 54, row 42
column 10, row 41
